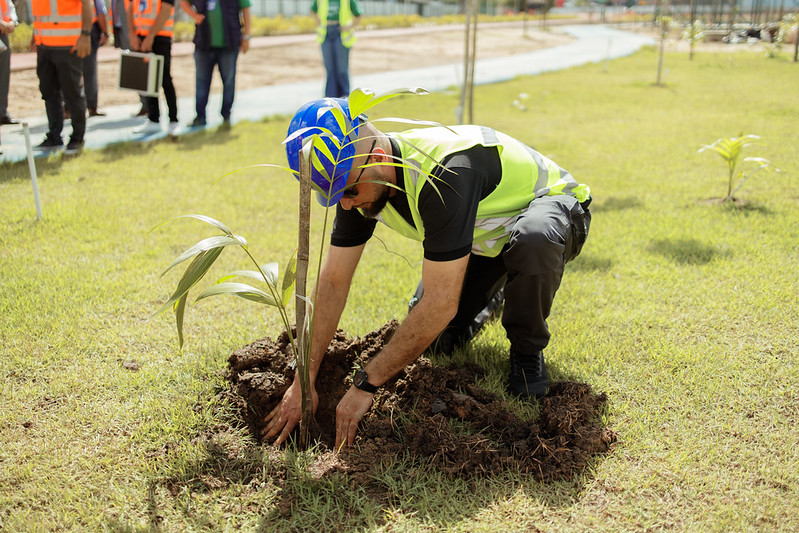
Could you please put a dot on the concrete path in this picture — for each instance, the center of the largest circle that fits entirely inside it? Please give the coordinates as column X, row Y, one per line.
column 594, row 43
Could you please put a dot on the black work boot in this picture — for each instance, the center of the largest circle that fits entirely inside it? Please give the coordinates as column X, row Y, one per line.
column 528, row 375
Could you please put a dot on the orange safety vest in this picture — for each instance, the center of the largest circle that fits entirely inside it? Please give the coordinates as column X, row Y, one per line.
column 144, row 14
column 4, row 10
column 56, row 22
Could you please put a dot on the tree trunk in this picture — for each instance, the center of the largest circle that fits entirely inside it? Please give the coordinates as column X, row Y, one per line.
column 692, row 29
column 663, row 26
column 475, row 9
column 303, row 253
column 467, row 62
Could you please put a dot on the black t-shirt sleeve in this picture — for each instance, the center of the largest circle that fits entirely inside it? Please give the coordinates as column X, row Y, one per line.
column 449, row 208
column 351, row 228
column 447, row 205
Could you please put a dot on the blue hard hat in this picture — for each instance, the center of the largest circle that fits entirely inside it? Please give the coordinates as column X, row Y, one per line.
column 334, row 148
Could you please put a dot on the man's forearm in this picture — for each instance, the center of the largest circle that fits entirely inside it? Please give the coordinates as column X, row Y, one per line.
column 87, row 15
column 245, row 17
column 129, row 19
column 442, row 282
column 164, row 12
column 420, row 328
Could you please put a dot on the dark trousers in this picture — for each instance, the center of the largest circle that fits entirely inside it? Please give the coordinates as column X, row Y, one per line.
column 204, row 61
column 336, row 58
column 549, row 234
column 90, row 68
column 60, row 72
column 5, row 74
column 163, row 47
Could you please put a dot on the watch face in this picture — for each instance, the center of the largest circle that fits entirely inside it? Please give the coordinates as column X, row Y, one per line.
column 361, row 381
column 359, row 378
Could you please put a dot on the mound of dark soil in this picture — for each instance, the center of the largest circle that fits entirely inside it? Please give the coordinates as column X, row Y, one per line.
column 434, row 402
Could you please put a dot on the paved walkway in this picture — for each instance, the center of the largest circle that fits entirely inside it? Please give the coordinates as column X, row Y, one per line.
column 594, row 43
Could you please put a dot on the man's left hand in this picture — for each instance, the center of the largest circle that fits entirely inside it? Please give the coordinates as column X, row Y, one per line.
column 349, row 412
column 83, row 47
column 147, row 43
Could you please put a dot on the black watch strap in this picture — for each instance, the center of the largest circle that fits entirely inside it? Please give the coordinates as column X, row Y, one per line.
column 361, row 381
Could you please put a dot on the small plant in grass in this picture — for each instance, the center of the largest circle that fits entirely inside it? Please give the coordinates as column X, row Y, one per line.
column 693, row 34
column 330, row 153
column 731, row 150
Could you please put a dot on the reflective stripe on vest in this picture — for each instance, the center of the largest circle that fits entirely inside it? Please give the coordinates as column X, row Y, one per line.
column 345, row 18
column 526, row 175
column 144, row 14
column 56, row 22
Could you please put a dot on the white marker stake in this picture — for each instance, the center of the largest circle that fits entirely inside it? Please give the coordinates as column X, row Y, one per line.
column 32, row 167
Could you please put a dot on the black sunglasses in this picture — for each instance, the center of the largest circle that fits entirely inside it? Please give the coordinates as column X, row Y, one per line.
column 352, row 191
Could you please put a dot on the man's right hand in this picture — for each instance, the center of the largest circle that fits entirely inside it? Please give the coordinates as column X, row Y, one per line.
column 282, row 420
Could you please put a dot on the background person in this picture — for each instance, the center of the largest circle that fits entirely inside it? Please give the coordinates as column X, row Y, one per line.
column 218, row 38
column 150, row 27
column 500, row 214
column 8, row 23
column 61, row 39
column 335, row 22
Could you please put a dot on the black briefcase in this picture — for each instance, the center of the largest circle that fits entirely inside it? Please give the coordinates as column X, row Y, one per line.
column 141, row 72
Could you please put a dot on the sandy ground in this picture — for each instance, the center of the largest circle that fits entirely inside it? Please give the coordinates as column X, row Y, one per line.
column 270, row 65
column 376, row 51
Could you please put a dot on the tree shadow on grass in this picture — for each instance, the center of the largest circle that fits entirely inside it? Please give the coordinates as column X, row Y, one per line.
column 738, row 206
column 589, row 263
column 46, row 164
column 688, row 251
column 617, row 203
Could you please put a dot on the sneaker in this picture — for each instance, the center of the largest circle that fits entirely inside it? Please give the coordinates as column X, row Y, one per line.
column 173, row 129
column 5, row 120
column 94, row 112
column 226, row 125
column 74, row 147
column 198, row 123
column 49, row 144
column 148, row 128
column 528, row 375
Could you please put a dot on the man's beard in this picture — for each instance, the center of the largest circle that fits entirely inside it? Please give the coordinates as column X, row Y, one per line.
column 374, row 208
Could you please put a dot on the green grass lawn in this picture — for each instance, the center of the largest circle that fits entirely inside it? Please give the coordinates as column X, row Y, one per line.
column 684, row 311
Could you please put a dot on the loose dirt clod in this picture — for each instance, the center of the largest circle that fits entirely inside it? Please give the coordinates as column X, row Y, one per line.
column 418, row 412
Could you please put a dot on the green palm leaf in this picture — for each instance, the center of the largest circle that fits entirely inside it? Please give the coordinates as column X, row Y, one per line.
column 289, row 279
column 216, row 242
column 242, row 290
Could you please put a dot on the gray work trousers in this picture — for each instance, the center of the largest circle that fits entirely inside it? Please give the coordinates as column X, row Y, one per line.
column 549, row 233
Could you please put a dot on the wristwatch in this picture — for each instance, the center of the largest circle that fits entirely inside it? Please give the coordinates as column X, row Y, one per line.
column 85, row 32
column 361, row 381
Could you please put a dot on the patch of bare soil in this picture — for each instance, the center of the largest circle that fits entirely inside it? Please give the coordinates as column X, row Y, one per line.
column 434, row 401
